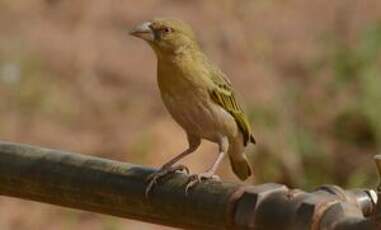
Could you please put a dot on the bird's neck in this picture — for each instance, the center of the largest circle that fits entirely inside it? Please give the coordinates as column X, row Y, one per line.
column 180, row 68
column 170, row 54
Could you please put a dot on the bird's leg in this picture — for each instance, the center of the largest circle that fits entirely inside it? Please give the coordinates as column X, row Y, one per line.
column 210, row 173
column 168, row 167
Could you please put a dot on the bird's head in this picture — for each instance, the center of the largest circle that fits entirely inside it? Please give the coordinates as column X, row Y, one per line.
column 165, row 35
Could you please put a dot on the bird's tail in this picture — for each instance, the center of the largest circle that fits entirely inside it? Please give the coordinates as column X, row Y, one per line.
column 241, row 167
column 238, row 160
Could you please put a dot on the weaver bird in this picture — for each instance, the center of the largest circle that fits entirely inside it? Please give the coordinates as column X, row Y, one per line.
column 199, row 96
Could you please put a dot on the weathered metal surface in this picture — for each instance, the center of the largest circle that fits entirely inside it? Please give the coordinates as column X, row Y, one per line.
column 377, row 213
column 109, row 187
column 116, row 188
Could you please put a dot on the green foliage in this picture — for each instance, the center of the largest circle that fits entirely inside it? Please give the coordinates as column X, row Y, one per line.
column 335, row 134
column 357, row 73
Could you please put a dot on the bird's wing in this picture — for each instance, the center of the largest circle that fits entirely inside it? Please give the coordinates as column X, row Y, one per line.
column 222, row 94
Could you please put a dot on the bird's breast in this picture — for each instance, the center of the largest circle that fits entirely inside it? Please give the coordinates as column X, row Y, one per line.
column 190, row 105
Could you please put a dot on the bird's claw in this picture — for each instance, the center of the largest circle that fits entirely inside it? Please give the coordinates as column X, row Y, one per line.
column 153, row 179
column 198, row 178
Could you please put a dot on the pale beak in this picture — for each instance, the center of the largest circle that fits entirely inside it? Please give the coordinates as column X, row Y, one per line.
column 143, row 31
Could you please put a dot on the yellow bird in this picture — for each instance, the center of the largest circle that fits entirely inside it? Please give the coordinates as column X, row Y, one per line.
column 199, row 96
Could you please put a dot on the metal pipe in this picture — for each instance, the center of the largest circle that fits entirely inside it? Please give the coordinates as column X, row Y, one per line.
column 109, row 187
column 116, row 188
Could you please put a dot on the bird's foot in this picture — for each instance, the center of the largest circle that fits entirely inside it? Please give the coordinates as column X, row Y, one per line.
column 198, row 178
column 153, row 179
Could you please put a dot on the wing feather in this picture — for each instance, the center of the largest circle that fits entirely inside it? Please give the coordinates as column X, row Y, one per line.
column 223, row 95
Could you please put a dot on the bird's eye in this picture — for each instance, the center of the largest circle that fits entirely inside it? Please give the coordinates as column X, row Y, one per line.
column 167, row 30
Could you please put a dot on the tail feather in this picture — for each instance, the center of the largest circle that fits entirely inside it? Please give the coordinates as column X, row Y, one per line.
column 252, row 139
column 241, row 167
column 238, row 160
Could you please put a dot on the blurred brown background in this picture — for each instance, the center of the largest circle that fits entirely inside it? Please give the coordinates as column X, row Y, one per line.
column 309, row 73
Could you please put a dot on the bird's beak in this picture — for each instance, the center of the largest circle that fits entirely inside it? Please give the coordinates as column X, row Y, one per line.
column 143, row 31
